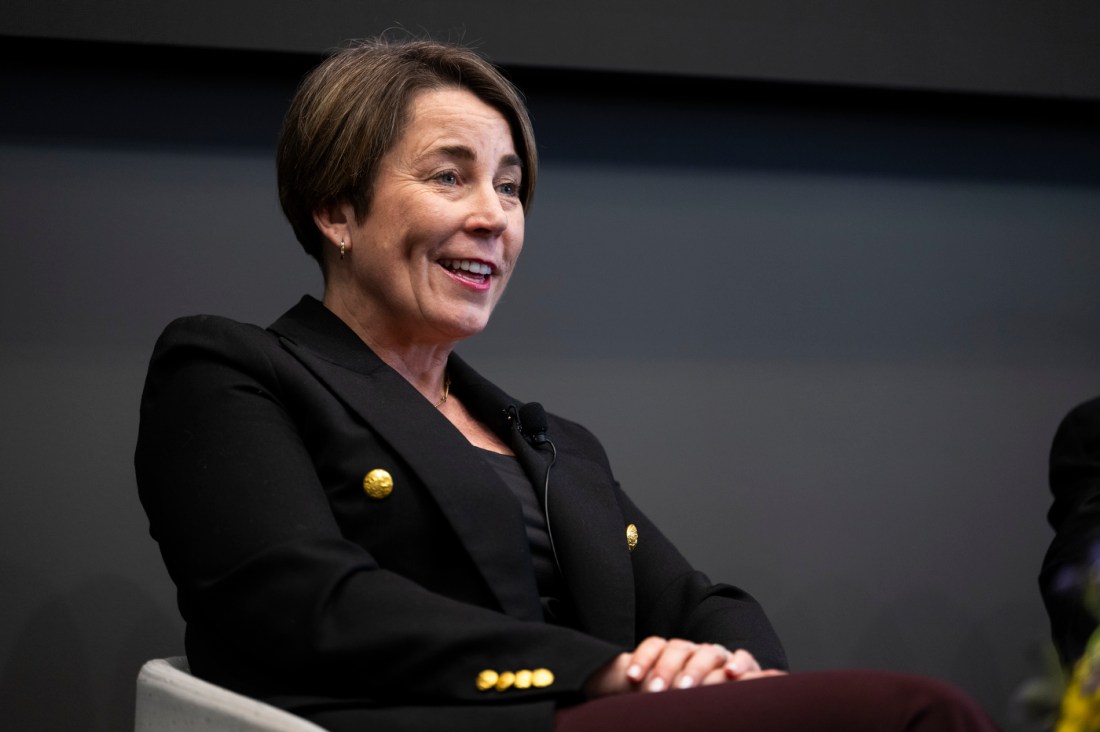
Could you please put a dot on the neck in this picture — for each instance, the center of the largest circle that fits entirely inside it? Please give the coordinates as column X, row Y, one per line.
column 422, row 364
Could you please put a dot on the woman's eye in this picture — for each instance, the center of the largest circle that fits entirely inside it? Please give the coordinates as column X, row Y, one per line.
column 509, row 188
column 448, row 178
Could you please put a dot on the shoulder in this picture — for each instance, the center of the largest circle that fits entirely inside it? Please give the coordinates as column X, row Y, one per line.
column 213, row 337
column 210, row 331
column 1085, row 413
column 1079, row 430
column 199, row 353
column 1074, row 467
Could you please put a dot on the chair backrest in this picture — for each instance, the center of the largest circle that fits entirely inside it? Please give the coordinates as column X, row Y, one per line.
column 170, row 698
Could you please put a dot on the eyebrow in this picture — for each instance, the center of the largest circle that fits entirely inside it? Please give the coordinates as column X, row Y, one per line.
column 466, row 153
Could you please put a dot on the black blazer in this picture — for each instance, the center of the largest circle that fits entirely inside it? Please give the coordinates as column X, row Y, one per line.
column 300, row 588
column 1075, row 518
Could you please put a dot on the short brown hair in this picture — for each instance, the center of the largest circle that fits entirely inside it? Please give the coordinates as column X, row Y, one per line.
column 351, row 110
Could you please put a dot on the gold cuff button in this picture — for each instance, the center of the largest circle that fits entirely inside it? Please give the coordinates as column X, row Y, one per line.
column 505, row 680
column 541, row 678
column 631, row 536
column 486, row 680
column 378, row 484
column 524, row 678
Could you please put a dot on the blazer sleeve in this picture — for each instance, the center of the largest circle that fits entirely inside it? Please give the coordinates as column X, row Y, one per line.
column 263, row 571
column 1075, row 517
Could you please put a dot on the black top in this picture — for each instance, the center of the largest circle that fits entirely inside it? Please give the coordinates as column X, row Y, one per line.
column 551, row 588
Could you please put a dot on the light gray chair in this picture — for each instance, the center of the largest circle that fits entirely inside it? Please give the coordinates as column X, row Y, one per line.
column 169, row 698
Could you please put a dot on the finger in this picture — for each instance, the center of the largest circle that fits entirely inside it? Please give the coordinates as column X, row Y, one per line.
column 764, row 674
column 670, row 664
column 717, row 676
column 643, row 658
column 609, row 679
column 741, row 662
column 704, row 659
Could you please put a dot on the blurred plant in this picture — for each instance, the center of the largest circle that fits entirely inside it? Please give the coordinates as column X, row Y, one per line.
column 1067, row 699
column 1037, row 703
column 1080, row 710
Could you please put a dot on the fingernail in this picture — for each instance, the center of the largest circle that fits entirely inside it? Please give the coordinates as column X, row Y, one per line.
column 658, row 684
column 685, row 682
column 634, row 673
column 734, row 667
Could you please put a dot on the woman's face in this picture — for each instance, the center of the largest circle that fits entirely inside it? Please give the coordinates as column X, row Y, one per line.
column 445, row 227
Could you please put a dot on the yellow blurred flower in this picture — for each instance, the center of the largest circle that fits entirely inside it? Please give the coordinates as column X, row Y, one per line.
column 1080, row 711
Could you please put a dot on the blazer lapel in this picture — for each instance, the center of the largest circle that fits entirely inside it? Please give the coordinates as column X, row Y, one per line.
column 483, row 512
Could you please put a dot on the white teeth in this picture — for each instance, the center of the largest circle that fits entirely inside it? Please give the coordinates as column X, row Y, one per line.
column 478, row 268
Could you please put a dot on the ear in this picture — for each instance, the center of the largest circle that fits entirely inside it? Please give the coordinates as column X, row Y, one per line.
column 334, row 221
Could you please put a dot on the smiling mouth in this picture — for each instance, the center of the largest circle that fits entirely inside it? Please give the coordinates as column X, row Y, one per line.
column 468, row 269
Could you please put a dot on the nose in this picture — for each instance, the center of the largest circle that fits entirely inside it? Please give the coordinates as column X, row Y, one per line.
column 487, row 213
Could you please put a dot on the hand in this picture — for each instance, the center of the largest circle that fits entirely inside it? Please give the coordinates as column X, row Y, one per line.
column 659, row 663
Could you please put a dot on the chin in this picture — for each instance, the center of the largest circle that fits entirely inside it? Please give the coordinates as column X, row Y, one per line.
column 459, row 323
column 469, row 327
column 461, row 334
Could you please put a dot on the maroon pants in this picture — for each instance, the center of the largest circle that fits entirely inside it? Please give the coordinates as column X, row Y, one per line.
column 823, row 701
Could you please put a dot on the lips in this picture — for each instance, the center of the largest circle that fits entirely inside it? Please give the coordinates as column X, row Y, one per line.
column 470, row 270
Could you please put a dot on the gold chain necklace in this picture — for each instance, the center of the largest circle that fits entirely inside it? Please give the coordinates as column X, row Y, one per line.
column 446, row 390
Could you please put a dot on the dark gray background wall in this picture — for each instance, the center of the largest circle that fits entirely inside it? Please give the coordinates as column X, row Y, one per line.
column 989, row 46
column 825, row 331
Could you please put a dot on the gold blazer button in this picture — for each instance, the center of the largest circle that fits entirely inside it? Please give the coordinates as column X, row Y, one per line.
column 524, row 678
column 378, row 484
column 631, row 536
column 505, row 680
column 486, row 680
column 541, row 678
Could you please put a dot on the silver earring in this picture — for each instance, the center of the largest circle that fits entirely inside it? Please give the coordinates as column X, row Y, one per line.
column 342, row 248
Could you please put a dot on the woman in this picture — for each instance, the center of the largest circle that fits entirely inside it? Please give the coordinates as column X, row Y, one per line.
column 365, row 531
